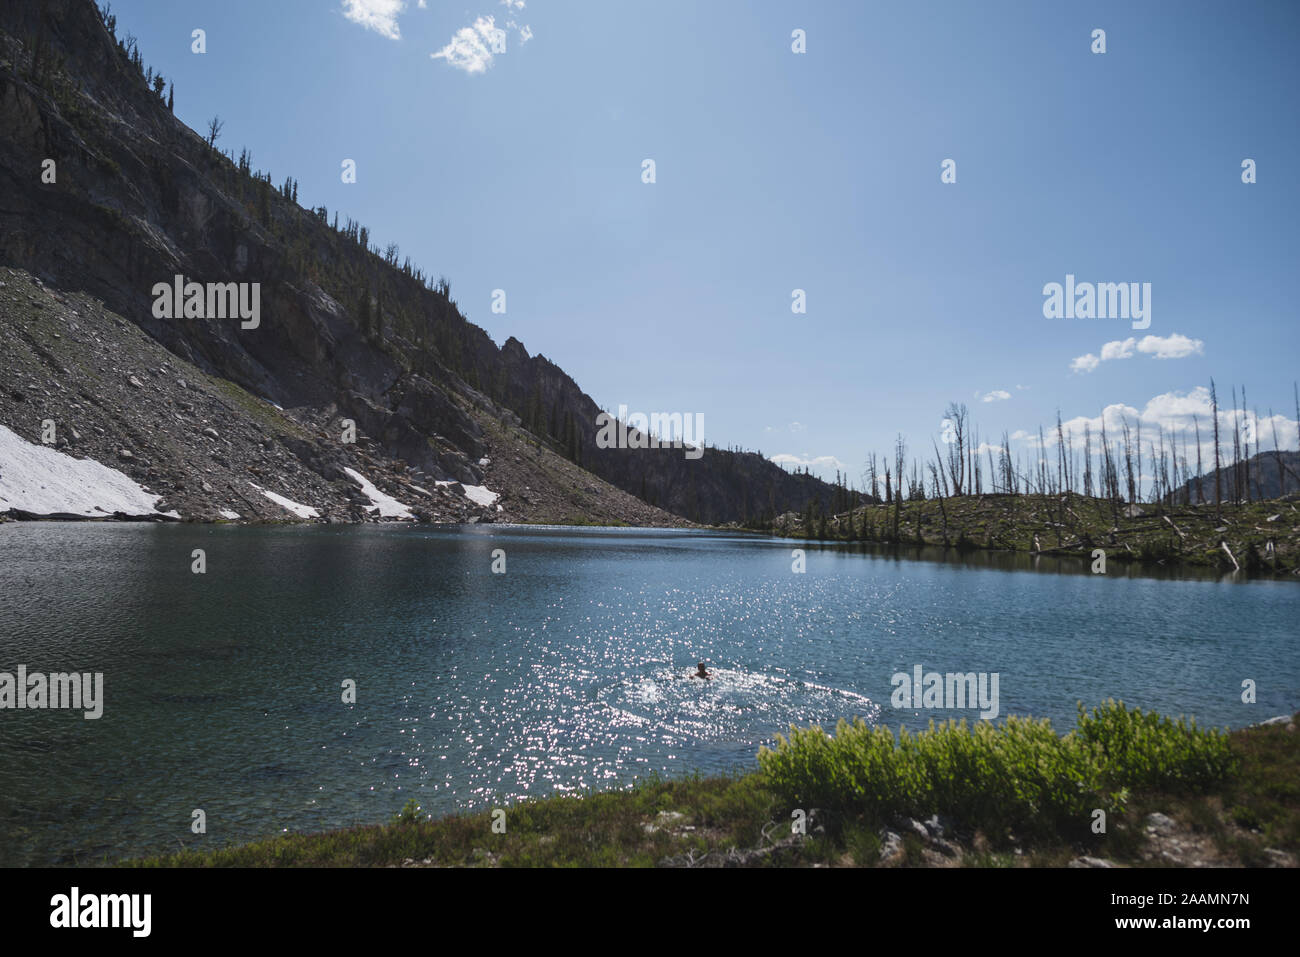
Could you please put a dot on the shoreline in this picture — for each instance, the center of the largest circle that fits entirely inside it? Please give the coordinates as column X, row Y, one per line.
column 1230, row 818
column 1193, row 566
column 1250, row 536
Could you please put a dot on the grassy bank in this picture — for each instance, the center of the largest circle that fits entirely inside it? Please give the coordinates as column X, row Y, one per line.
column 1262, row 538
column 1014, row 795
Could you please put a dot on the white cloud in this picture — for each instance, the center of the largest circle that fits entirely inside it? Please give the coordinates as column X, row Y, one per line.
column 377, row 15
column 1171, row 347
column 1119, row 349
column 1174, row 419
column 513, row 4
column 1114, row 416
column 797, row 426
column 471, row 48
column 828, row 462
column 986, row 447
column 997, row 395
column 468, row 49
column 1180, row 406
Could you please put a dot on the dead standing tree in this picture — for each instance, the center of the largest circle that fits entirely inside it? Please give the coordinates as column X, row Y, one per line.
column 1218, row 488
column 1236, row 451
column 1200, row 471
column 957, row 415
column 1128, row 458
column 900, row 461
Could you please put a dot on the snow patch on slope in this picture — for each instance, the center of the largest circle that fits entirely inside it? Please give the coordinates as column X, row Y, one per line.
column 387, row 506
column 45, row 481
column 478, row 494
column 302, row 511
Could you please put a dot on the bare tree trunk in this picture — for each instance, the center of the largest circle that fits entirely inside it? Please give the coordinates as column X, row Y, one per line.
column 957, row 415
column 939, row 470
column 900, row 460
column 1176, row 489
column 1087, row 460
column 1108, row 471
column 1008, row 471
column 1200, row 472
column 1137, row 442
column 1236, row 451
column 1128, row 457
column 1246, row 451
column 1218, row 487
column 1188, row 486
column 1277, row 456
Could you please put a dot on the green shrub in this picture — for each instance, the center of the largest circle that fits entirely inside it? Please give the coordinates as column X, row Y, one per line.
column 1019, row 776
column 409, row 814
column 1149, row 751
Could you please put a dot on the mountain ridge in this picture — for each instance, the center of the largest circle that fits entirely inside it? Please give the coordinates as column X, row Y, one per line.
column 345, row 332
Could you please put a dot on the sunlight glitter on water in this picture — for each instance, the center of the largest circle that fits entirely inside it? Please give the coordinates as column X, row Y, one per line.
column 572, row 671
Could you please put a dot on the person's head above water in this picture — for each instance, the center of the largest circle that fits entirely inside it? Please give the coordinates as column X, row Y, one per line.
column 701, row 672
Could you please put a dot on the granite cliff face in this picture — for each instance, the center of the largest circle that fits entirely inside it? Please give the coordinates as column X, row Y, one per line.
column 105, row 195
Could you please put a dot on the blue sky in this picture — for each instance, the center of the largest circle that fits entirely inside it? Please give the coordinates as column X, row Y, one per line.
column 819, row 171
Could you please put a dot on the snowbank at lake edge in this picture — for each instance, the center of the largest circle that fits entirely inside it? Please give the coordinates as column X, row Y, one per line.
column 41, row 480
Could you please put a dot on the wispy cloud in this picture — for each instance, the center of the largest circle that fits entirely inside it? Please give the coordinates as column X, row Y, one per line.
column 473, row 49
column 997, row 395
column 1173, row 346
column 1084, row 363
column 815, row 463
column 378, row 15
column 470, row 49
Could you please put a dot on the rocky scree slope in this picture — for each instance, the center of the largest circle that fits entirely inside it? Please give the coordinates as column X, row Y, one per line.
column 213, row 451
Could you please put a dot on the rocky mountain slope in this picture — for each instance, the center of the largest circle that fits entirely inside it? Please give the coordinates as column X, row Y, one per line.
column 213, row 451
column 134, row 198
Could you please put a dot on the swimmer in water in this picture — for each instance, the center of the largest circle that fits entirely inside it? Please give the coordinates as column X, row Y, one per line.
column 701, row 673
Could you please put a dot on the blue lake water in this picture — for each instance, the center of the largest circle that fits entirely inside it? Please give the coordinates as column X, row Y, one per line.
column 223, row 691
